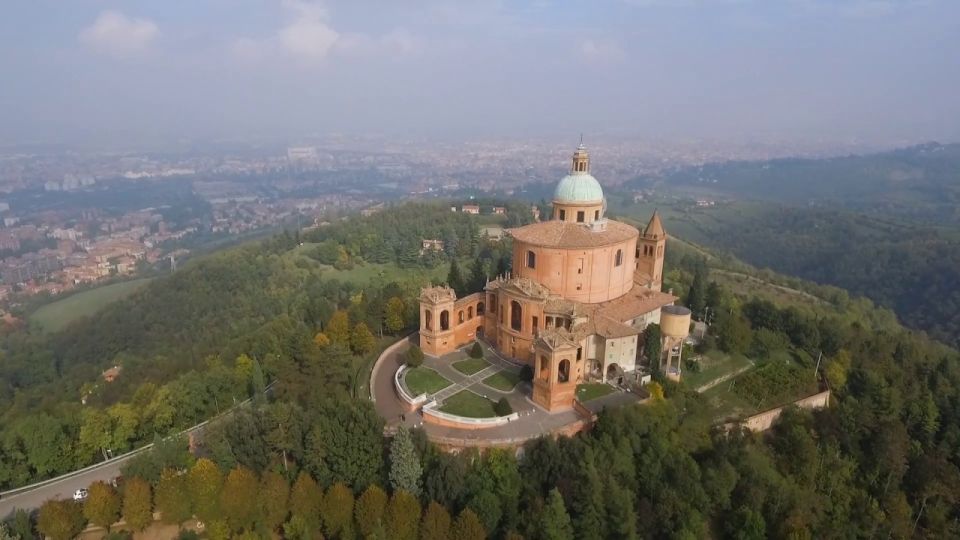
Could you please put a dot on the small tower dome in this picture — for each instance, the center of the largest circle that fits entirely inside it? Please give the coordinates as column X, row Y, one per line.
column 579, row 186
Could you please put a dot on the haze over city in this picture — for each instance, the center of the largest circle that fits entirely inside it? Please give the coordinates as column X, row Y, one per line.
column 879, row 73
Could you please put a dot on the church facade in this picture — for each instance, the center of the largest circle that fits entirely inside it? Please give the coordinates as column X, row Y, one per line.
column 581, row 291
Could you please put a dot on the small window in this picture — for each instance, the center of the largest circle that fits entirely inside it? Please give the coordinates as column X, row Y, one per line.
column 563, row 215
column 531, row 259
column 618, row 259
column 536, row 323
column 596, row 215
column 580, row 216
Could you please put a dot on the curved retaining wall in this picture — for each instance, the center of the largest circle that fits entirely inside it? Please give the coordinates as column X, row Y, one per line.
column 412, row 402
column 433, row 415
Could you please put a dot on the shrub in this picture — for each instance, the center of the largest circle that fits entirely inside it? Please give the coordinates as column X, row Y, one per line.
column 526, row 373
column 503, row 408
column 476, row 351
column 693, row 366
column 414, row 357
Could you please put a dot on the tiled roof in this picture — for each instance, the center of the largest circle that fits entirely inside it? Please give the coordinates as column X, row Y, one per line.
column 564, row 234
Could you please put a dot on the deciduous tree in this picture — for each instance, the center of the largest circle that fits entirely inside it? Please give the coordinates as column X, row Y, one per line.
column 436, row 523
column 306, row 500
column 403, row 516
column 274, row 496
column 60, row 519
column 361, row 340
column 172, row 497
column 203, row 484
column 338, row 329
column 102, row 506
column 468, row 527
column 370, row 510
column 137, row 507
column 393, row 314
column 337, row 510
column 238, row 499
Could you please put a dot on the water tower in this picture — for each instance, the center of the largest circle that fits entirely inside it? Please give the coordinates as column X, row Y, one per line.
column 674, row 329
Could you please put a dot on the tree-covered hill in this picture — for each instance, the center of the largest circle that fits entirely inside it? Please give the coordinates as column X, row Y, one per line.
column 912, row 269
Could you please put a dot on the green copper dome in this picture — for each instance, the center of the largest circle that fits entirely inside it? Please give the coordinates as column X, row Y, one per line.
column 578, row 187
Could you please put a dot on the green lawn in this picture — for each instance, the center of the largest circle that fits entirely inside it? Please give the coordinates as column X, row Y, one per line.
column 423, row 380
column 57, row 315
column 713, row 365
column 364, row 272
column 504, row 380
column 470, row 365
column 590, row 391
column 466, row 403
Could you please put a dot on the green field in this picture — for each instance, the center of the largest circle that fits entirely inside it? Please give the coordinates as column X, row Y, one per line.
column 57, row 315
column 590, row 391
column 471, row 365
column 364, row 272
column 466, row 403
column 503, row 380
column 423, row 380
column 713, row 365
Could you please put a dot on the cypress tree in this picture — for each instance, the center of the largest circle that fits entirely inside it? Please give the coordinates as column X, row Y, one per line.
column 405, row 467
column 455, row 278
column 554, row 520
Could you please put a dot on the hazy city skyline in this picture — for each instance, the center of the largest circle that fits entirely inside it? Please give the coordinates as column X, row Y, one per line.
column 104, row 72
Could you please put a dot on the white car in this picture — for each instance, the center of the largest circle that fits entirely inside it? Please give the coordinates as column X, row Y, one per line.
column 80, row 494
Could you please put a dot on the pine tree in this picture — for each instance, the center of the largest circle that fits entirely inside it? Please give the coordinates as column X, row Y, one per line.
column 652, row 346
column 370, row 509
column 338, row 328
column 588, row 499
column 478, row 275
column 554, row 519
column 405, row 467
column 436, row 523
column 361, row 340
column 468, row 527
column 337, row 510
column 172, row 498
column 697, row 295
column 102, row 506
column 403, row 516
column 137, row 509
column 455, row 278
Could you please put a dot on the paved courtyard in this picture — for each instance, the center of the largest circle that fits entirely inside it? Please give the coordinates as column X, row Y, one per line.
column 532, row 422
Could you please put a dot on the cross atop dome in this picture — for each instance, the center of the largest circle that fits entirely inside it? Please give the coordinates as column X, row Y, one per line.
column 581, row 160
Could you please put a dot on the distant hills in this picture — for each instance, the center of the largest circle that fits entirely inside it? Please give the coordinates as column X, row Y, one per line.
column 920, row 183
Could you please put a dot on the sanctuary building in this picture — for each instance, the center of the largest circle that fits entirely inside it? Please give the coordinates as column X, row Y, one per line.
column 581, row 291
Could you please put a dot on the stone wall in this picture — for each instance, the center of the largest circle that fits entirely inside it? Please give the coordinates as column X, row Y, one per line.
column 763, row 421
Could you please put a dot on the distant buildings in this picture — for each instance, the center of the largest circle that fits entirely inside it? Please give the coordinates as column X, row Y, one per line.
column 470, row 209
column 431, row 245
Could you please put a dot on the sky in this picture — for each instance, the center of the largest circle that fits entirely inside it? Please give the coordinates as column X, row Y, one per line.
column 115, row 71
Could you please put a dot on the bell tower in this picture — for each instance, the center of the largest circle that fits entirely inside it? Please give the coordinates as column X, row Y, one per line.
column 558, row 366
column 650, row 247
column 436, row 324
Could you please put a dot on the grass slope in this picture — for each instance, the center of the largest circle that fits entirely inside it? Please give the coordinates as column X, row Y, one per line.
column 57, row 315
column 471, row 365
column 423, row 380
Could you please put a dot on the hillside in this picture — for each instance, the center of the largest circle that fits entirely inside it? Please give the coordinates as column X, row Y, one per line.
column 919, row 184
column 912, row 269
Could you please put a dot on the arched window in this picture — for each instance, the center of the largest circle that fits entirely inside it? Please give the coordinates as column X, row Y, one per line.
column 544, row 368
column 516, row 315
column 460, row 317
column 480, row 308
column 531, row 259
column 444, row 320
column 428, row 316
column 563, row 373
column 470, row 312
column 618, row 259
